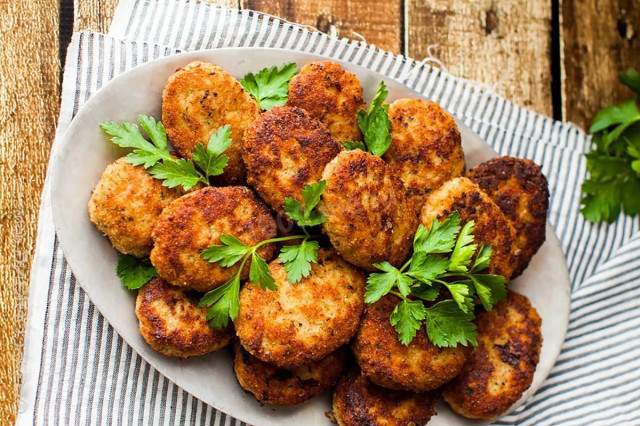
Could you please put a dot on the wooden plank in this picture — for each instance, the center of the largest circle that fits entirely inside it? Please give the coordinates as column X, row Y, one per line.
column 505, row 44
column 29, row 91
column 93, row 15
column 379, row 21
column 601, row 38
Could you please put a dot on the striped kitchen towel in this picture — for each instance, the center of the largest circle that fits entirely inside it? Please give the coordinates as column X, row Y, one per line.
column 77, row 370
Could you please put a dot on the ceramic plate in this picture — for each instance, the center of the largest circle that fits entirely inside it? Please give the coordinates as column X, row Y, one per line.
column 84, row 152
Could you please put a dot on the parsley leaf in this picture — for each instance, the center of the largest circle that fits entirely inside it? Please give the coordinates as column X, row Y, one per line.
column 259, row 273
column 614, row 163
column 306, row 216
column 440, row 237
column 134, row 272
column 375, row 123
column 128, row 135
column 483, row 258
column 230, row 252
column 354, row 145
column 155, row 131
column 461, row 295
column 441, row 259
column 270, row 86
column 407, row 318
column 297, row 259
column 426, row 267
column 211, row 160
column 631, row 78
column 490, row 289
column 223, row 303
column 179, row 172
column 379, row 284
column 464, row 249
column 426, row 292
column 155, row 155
column 448, row 326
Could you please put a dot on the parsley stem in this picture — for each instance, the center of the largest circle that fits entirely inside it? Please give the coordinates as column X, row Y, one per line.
column 405, row 265
column 395, row 293
column 280, row 239
column 455, row 274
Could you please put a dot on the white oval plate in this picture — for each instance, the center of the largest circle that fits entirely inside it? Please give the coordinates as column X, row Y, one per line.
column 81, row 156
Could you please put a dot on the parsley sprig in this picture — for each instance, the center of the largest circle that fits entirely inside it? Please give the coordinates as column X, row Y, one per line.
column 134, row 272
column 374, row 124
column 223, row 301
column 270, row 86
column 442, row 259
column 614, row 163
column 155, row 156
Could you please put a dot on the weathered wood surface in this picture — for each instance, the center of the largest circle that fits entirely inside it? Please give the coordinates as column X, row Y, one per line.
column 600, row 39
column 378, row 21
column 503, row 43
column 29, row 97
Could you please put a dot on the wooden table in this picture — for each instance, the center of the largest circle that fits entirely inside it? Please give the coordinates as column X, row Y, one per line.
column 559, row 58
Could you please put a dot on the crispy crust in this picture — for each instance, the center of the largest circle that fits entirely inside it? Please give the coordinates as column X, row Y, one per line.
column 491, row 226
column 521, row 191
column 357, row 401
column 426, row 148
column 126, row 203
column 330, row 94
column 285, row 150
column 303, row 322
column 195, row 221
column 369, row 218
column 273, row 385
column 196, row 101
column 419, row 367
column 172, row 323
column 501, row 368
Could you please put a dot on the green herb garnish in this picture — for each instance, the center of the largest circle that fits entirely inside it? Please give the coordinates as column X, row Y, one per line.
column 614, row 163
column 270, row 86
column 442, row 259
column 375, row 125
column 134, row 272
column 155, row 156
column 223, row 301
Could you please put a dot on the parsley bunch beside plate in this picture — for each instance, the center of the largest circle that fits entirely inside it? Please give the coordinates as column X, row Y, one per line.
column 613, row 165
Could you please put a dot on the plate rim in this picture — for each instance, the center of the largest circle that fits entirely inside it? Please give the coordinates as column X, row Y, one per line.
column 57, row 174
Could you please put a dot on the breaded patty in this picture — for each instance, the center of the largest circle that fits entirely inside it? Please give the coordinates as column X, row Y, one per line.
column 419, row 367
column 521, row 191
column 197, row 100
column 330, row 94
column 426, row 148
column 173, row 324
column 501, row 368
column 369, row 217
column 491, row 226
column 273, row 385
column 303, row 322
column 195, row 221
column 285, row 150
column 357, row 401
column 126, row 203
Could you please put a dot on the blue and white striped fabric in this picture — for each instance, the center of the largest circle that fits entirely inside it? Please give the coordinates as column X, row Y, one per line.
column 77, row 370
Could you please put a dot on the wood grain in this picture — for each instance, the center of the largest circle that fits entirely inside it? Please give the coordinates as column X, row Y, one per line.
column 505, row 44
column 94, row 15
column 29, row 96
column 378, row 21
column 601, row 38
